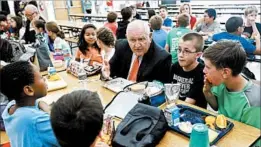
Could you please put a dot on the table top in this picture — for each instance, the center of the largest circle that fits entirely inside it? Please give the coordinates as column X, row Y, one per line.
column 76, row 24
column 240, row 135
column 91, row 15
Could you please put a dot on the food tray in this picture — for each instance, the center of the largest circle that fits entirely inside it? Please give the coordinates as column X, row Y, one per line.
column 197, row 116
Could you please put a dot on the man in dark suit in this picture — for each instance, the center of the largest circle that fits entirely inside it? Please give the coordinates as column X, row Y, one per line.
column 31, row 13
column 138, row 58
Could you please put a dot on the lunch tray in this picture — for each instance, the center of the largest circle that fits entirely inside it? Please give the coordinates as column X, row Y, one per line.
column 197, row 116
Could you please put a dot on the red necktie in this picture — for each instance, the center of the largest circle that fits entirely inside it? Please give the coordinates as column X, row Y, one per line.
column 134, row 70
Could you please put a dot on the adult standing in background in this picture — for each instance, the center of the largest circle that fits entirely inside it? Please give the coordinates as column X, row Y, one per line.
column 31, row 13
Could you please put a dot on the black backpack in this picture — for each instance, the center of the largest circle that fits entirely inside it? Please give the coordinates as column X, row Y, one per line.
column 18, row 50
column 143, row 126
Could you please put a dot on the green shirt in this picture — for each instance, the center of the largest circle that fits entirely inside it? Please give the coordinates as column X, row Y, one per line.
column 173, row 41
column 243, row 106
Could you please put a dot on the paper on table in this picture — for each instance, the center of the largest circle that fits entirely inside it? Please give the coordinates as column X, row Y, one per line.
column 49, row 99
column 122, row 104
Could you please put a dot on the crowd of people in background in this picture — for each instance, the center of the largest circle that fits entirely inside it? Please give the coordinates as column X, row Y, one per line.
column 136, row 50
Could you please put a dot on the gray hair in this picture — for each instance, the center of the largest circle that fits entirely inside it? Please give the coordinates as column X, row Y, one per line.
column 31, row 8
column 138, row 25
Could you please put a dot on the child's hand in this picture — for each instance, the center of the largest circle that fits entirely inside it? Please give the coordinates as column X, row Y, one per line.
column 256, row 36
column 101, row 144
column 207, row 85
column 106, row 70
column 44, row 106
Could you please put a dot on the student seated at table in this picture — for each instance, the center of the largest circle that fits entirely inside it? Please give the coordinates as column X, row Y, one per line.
column 235, row 27
column 175, row 34
column 186, row 8
column 6, row 51
column 16, row 26
column 88, row 49
column 4, row 27
column 208, row 26
column 27, row 122
column 106, row 42
column 77, row 119
column 151, row 13
column 112, row 24
column 251, row 27
column 126, row 14
column 158, row 35
column 225, row 89
column 135, row 15
column 188, row 71
column 39, row 27
column 167, row 22
column 59, row 44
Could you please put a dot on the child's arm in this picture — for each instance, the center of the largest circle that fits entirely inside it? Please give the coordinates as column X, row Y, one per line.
column 211, row 99
column 44, row 106
column 258, row 45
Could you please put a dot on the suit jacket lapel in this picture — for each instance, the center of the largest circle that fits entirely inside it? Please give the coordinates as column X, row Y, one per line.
column 145, row 66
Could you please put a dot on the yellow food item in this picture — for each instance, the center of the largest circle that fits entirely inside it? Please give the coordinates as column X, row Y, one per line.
column 212, row 135
column 210, row 121
column 54, row 77
column 221, row 121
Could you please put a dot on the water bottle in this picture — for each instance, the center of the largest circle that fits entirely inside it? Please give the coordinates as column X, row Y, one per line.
column 82, row 75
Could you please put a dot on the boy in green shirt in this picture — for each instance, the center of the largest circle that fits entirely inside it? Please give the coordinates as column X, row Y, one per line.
column 225, row 89
column 175, row 34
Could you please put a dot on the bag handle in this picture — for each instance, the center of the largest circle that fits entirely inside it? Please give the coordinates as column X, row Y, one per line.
column 140, row 134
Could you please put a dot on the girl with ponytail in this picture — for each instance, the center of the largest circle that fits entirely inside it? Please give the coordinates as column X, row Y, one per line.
column 60, row 45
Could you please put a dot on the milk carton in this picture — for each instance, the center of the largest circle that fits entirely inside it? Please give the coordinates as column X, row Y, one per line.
column 172, row 115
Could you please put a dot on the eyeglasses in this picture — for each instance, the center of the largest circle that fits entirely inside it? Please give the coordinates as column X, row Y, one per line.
column 185, row 52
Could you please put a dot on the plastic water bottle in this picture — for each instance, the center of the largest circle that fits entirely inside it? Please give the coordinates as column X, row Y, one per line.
column 82, row 76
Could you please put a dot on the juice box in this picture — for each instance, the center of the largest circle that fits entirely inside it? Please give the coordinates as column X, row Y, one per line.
column 172, row 115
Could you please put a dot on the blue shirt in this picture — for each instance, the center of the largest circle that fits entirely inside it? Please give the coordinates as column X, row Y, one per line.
column 167, row 22
column 29, row 127
column 249, row 48
column 160, row 37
